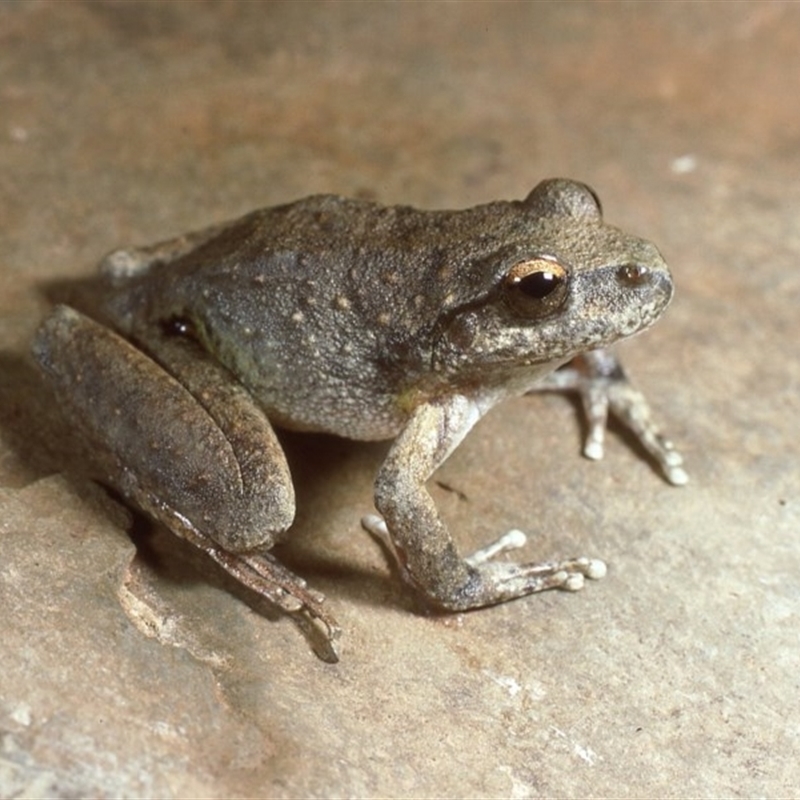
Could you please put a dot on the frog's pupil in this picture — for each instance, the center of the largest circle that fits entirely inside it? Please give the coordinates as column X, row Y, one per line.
column 538, row 284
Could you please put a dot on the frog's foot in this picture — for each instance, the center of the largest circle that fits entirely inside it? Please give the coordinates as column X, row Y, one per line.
column 265, row 575
column 496, row 582
column 603, row 386
column 534, row 577
column 528, row 578
column 500, row 581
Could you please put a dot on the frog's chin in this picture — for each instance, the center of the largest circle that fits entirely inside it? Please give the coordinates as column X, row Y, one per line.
column 499, row 379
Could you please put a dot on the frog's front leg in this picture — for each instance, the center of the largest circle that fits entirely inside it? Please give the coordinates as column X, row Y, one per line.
column 421, row 540
column 603, row 386
column 185, row 443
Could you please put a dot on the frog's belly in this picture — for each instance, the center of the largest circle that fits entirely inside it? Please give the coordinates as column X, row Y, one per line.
column 351, row 417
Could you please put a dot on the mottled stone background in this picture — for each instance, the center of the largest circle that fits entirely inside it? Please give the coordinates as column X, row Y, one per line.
column 677, row 675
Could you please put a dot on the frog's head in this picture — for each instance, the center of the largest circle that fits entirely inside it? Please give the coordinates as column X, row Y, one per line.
column 565, row 283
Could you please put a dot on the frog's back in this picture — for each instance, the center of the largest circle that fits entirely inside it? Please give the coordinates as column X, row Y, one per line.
column 326, row 308
column 336, row 231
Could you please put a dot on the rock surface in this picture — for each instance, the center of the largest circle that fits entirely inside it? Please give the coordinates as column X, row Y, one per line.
column 131, row 667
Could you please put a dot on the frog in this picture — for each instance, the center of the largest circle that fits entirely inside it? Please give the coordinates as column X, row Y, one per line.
column 369, row 322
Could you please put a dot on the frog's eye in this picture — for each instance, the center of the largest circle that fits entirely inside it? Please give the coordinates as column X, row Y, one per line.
column 535, row 288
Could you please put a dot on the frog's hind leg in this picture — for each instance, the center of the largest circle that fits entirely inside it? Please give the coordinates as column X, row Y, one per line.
column 178, row 436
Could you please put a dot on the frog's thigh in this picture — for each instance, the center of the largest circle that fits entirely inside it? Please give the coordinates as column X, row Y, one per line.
column 204, row 456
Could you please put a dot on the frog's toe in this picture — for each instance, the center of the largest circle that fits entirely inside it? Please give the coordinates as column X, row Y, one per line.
column 669, row 460
column 512, row 540
column 375, row 525
column 568, row 574
column 592, row 568
column 593, row 447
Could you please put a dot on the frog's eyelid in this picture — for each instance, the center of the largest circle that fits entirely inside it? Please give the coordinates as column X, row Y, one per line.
column 593, row 193
column 561, row 197
column 537, row 262
column 518, row 259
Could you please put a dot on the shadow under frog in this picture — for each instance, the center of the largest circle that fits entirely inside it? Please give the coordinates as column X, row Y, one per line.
column 368, row 322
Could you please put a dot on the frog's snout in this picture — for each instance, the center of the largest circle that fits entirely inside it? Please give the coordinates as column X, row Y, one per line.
column 654, row 281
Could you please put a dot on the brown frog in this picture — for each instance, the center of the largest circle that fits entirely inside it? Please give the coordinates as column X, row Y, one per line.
column 364, row 321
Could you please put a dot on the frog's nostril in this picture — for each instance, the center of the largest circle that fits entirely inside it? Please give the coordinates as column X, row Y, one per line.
column 634, row 274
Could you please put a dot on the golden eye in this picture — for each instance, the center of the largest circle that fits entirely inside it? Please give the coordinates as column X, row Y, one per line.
column 536, row 288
